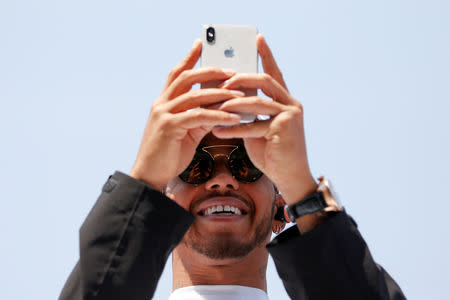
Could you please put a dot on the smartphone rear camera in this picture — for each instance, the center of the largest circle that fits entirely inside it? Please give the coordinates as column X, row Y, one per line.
column 210, row 34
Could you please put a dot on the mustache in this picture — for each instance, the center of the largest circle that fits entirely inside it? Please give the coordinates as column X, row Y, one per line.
column 212, row 194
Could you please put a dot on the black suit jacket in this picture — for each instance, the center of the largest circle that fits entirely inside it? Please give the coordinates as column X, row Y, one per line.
column 131, row 230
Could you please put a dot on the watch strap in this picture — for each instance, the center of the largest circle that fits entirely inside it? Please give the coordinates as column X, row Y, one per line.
column 311, row 204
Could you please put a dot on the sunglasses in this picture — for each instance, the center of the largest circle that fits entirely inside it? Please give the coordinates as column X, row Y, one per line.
column 201, row 169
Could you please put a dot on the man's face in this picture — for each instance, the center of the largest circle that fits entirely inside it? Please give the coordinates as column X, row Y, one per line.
column 220, row 235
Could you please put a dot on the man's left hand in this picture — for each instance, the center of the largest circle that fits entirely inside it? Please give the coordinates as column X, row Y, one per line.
column 275, row 146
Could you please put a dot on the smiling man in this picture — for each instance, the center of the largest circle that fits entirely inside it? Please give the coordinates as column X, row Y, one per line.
column 233, row 204
column 211, row 190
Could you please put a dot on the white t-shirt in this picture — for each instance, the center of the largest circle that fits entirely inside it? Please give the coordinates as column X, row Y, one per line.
column 218, row 292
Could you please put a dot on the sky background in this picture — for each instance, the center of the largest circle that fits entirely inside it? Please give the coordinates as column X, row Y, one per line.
column 77, row 79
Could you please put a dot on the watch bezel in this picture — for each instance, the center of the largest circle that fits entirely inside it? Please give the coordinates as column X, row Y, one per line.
column 329, row 195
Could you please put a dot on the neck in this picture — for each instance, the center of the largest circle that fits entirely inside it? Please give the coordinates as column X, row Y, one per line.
column 191, row 268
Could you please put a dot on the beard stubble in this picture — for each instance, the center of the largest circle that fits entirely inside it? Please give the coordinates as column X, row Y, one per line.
column 228, row 246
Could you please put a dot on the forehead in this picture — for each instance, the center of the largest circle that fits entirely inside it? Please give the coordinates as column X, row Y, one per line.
column 210, row 140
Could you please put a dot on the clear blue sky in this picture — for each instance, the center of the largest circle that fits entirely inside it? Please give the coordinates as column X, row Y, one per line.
column 77, row 79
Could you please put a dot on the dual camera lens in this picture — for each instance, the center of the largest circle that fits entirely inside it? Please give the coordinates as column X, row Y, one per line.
column 210, row 35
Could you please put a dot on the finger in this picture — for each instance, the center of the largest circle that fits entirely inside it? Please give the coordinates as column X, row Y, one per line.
column 183, row 83
column 186, row 64
column 249, row 130
column 265, row 82
column 201, row 97
column 199, row 133
column 268, row 61
column 253, row 105
column 205, row 117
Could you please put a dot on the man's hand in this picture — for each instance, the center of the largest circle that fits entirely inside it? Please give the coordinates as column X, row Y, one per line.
column 173, row 130
column 275, row 146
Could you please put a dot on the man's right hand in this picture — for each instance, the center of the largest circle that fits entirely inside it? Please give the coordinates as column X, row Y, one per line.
column 174, row 129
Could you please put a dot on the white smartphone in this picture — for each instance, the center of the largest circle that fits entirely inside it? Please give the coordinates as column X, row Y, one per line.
column 231, row 47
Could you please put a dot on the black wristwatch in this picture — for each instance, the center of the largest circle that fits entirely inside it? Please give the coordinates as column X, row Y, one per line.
column 323, row 200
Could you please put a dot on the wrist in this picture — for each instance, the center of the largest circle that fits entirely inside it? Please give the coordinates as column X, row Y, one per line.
column 309, row 222
column 299, row 189
column 139, row 175
column 314, row 208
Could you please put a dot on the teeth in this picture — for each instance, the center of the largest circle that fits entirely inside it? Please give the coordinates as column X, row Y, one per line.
column 219, row 208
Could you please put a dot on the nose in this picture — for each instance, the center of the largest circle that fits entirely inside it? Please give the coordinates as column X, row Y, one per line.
column 222, row 179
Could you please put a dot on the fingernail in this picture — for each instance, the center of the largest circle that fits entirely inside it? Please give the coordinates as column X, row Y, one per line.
column 238, row 93
column 235, row 117
column 229, row 72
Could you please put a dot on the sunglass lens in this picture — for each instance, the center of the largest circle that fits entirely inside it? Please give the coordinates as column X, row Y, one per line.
column 199, row 170
column 242, row 168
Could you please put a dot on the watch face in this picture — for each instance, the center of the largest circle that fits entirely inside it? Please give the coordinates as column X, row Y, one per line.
column 333, row 193
column 326, row 187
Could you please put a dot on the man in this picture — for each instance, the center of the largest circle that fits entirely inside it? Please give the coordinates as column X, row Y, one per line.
column 222, row 187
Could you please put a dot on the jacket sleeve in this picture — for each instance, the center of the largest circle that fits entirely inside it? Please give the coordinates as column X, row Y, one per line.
column 332, row 261
column 125, row 242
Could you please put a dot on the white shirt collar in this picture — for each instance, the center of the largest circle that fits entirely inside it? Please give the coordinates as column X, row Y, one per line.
column 218, row 292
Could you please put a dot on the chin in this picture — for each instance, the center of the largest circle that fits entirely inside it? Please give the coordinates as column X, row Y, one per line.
column 225, row 232
column 221, row 246
column 225, row 241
